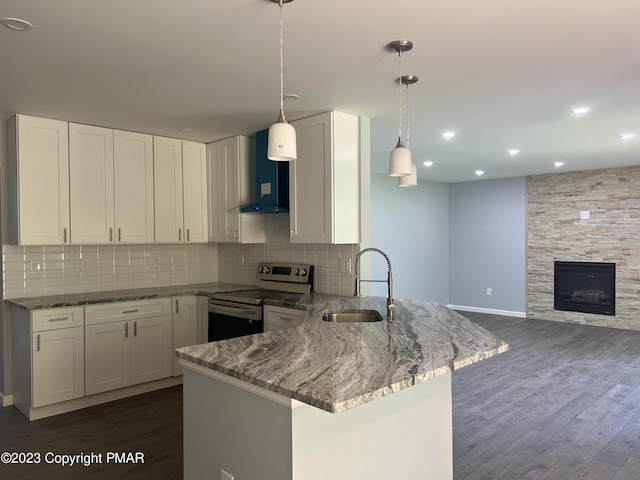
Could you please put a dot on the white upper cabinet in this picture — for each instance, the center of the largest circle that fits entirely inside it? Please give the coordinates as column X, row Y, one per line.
column 167, row 177
column 324, row 181
column 194, row 181
column 214, row 191
column 231, row 171
column 111, row 185
column 91, row 183
column 39, row 180
column 133, row 187
column 180, row 177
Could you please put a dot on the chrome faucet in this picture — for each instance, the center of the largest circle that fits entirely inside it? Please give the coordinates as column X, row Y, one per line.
column 389, row 280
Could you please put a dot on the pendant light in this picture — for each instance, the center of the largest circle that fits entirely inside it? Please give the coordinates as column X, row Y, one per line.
column 410, row 180
column 400, row 158
column 282, row 136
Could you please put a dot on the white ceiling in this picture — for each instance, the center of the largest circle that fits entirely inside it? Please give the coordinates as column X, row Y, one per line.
column 501, row 73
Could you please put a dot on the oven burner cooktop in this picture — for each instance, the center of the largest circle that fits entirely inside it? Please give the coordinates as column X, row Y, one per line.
column 276, row 281
column 256, row 297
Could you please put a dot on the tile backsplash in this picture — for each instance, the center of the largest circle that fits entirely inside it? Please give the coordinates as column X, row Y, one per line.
column 56, row 270
column 238, row 263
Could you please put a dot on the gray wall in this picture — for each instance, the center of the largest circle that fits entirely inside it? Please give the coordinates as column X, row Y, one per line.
column 412, row 226
column 487, row 229
column 4, row 330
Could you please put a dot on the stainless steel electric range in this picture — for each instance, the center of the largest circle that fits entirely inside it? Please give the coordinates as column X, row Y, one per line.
column 235, row 314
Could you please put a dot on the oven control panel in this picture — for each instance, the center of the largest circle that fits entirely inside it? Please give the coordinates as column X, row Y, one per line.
column 286, row 272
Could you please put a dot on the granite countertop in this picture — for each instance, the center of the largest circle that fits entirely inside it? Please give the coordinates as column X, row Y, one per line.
column 336, row 367
column 77, row 299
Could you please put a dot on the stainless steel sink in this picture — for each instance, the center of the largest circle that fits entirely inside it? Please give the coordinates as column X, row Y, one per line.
column 351, row 316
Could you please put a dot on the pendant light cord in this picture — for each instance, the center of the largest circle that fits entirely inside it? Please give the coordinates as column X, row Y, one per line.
column 400, row 93
column 281, row 66
column 408, row 114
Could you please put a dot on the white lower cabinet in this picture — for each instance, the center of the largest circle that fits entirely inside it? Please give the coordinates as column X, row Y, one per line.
column 277, row 318
column 127, row 343
column 185, row 326
column 48, row 356
column 108, row 359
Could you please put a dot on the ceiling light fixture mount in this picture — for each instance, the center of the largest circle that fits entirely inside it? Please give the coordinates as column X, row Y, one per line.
column 16, row 24
column 400, row 157
column 281, row 145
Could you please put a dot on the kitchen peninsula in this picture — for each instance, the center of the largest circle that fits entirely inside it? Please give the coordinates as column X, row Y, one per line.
column 325, row 400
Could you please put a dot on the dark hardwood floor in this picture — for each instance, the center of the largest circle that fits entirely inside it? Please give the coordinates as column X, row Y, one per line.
column 149, row 423
column 562, row 404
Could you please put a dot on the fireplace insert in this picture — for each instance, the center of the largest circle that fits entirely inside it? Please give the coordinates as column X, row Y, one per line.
column 588, row 287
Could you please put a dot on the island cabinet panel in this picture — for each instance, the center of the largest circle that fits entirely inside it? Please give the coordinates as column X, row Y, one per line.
column 324, row 180
column 39, row 180
column 127, row 343
column 48, row 356
column 231, row 171
column 407, row 434
column 277, row 318
column 185, row 326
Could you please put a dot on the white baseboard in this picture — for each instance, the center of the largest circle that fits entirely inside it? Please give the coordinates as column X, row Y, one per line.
column 506, row 313
column 5, row 400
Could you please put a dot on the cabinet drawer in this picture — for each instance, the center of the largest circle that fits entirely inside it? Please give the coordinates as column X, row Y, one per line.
column 56, row 318
column 119, row 311
column 283, row 317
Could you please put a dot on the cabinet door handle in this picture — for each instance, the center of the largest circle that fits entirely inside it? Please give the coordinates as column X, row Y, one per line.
column 119, row 234
column 179, row 234
column 65, row 234
column 111, row 234
column 126, row 330
column 59, row 319
column 188, row 236
column 177, row 307
column 131, row 311
column 135, row 329
column 288, row 319
column 38, row 343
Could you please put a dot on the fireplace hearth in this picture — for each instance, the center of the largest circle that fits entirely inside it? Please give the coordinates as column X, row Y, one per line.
column 588, row 287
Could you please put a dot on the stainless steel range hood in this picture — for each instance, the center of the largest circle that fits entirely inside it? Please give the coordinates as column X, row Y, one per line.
column 272, row 181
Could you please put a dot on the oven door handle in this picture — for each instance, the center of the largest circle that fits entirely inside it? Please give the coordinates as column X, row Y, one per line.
column 214, row 308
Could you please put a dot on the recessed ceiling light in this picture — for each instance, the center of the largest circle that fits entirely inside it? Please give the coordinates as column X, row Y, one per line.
column 513, row 151
column 448, row 135
column 627, row 136
column 291, row 97
column 428, row 164
column 558, row 164
column 16, row 24
column 479, row 173
column 580, row 110
column 185, row 130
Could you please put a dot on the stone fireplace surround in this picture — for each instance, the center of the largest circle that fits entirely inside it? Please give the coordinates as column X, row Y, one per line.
column 555, row 231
